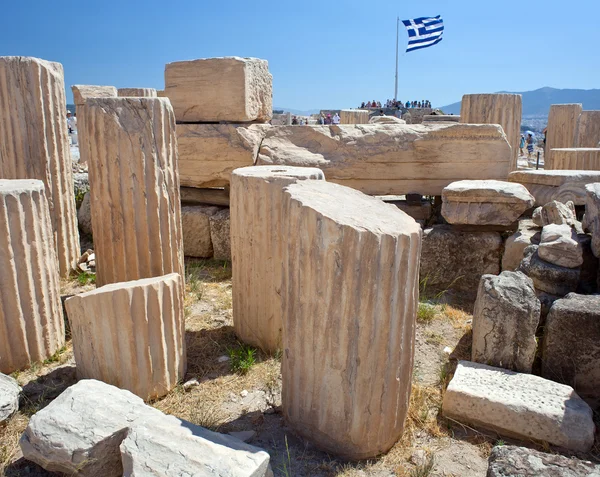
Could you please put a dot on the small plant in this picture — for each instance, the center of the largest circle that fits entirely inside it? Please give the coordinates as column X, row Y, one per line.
column 79, row 195
column 424, row 470
column 286, row 464
column 84, row 278
column 242, row 358
column 500, row 442
column 426, row 312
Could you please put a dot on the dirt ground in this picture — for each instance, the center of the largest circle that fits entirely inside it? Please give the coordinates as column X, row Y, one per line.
column 226, row 400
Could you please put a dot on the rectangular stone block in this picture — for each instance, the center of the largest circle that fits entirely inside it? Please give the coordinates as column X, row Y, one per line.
column 582, row 159
column 350, row 274
column 522, row 406
column 209, row 152
column 137, row 92
column 131, row 335
column 34, row 143
column 195, row 224
column 392, row 159
column 354, row 116
column 562, row 127
column 587, row 133
column 220, row 89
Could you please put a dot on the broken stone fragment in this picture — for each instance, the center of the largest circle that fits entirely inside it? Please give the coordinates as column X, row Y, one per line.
column 560, row 246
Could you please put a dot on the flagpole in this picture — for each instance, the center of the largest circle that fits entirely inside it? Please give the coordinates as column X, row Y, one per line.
column 397, row 37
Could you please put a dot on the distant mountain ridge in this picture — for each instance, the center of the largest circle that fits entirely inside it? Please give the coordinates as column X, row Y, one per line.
column 538, row 102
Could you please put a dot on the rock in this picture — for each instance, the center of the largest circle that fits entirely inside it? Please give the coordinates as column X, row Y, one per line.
column 418, row 457
column 228, row 89
column 257, row 253
column 81, row 92
column 223, row 359
column 34, row 143
column 137, row 233
column 443, row 268
column 547, row 277
column 560, row 246
column 354, row 116
column 522, row 406
column 485, row 202
column 131, row 334
column 137, row 92
column 30, row 309
column 579, row 159
column 555, row 213
column 81, row 430
column 505, row 320
column 592, row 215
column 561, row 131
column 500, row 108
column 354, row 402
column 195, row 225
column 392, row 159
column 9, row 397
column 81, row 183
column 208, row 153
column 243, row 436
column 169, row 447
column 513, row 461
column 571, row 345
column 220, row 235
column 191, row 384
column 386, row 120
column 587, row 133
column 527, row 234
column 84, row 215
column 548, row 185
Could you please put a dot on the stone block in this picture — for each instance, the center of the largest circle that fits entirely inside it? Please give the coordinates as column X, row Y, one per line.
column 547, row 277
column 81, row 92
column 136, row 210
column 592, row 215
column 513, row 461
column 30, row 310
column 527, row 234
column 196, row 230
column 34, row 143
column 209, row 152
column 441, row 118
column 348, row 357
column 131, row 335
column 220, row 89
column 257, row 253
column 518, row 405
column 84, row 215
column 560, row 245
column 9, row 397
column 587, row 133
column 582, row 159
column 485, row 202
column 562, row 128
column 392, row 159
column 386, row 120
column 454, row 259
column 137, row 92
column 220, row 234
column 571, row 345
column 503, row 109
column 555, row 212
column 354, row 116
column 505, row 320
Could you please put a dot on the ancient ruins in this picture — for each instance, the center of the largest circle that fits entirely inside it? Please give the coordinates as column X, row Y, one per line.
column 343, row 242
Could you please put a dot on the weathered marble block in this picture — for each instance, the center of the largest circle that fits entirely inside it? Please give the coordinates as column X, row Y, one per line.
column 562, row 128
column 195, row 223
column 136, row 210
column 30, row 310
column 522, row 406
column 503, row 109
column 137, row 92
column 582, row 159
column 351, row 268
column 592, row 215
column 505, row 320
column 257, row 251
column 547, row 277
column 34, row 143
column 354, row 116
column 220, row 89
column 131, row 335
column 560, row 245
column 527, row 234
column 587, row 133
column 485, row 202
column 555, row 212
column 220, row 234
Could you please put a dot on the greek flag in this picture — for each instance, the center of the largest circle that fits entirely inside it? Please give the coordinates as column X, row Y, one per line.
column 424, row 32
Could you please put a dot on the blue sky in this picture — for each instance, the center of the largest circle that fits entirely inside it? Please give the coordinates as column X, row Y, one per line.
column 322, row 54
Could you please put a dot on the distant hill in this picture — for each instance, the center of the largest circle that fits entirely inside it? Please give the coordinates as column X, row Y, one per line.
column 537, row 103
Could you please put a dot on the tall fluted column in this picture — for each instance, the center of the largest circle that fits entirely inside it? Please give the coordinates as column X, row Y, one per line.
column 256, row 252
column 576, row 159
column 131, row 335
column 31, row 321
column 351, row 268
column 562, row 129
column 134, row 188
column 503, row 109
column 34, row 143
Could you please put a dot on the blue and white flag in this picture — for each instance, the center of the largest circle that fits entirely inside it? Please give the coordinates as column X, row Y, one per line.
column 424, row 32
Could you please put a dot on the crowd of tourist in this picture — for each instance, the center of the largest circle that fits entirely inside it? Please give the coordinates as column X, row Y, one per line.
column 390, row 103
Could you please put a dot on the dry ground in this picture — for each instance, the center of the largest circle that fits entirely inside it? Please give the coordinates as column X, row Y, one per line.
column 228, row 400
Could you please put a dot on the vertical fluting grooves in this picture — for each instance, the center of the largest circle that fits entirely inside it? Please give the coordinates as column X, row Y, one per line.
column 131, row 335
column 587, row 133
column 256, row 218
column 562, row 127
column 350, row 292
column 136, row 212
column 34, row 143
column 503, row 109
column 31, row 321
column 582, row 159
